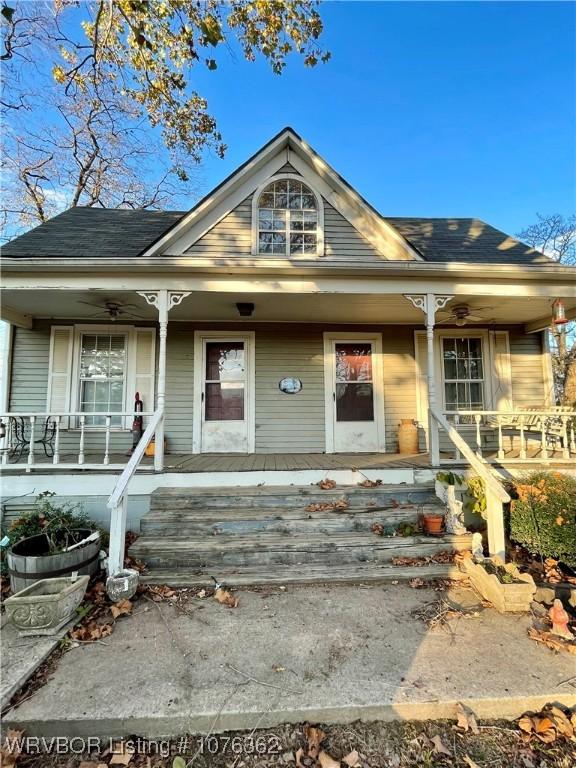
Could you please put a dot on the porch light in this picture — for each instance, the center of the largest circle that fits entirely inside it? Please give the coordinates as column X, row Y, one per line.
column 559, row 313
column 245, row 309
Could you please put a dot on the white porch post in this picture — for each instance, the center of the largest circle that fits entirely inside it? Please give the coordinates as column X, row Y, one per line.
column 430, row 303
column 163, row 301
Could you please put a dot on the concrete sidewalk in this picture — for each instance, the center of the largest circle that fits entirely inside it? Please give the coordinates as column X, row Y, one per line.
column 323, row 654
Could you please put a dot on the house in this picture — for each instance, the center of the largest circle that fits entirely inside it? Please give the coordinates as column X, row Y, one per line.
column 277, row 332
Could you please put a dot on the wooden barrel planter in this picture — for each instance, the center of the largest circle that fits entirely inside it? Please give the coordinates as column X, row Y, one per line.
column 29, row 560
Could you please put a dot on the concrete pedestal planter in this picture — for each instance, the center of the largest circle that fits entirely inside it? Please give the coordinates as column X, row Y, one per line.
column 506, row 598
column 45, row 606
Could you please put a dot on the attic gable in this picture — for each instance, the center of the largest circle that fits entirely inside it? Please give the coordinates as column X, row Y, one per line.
column 286, row 153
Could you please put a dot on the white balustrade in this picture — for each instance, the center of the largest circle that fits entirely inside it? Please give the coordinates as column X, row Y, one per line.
column 67, row 440
column 527, row 435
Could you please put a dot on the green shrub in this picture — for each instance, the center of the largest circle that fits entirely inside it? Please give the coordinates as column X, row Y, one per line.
column 543, row 515
column 49, row 518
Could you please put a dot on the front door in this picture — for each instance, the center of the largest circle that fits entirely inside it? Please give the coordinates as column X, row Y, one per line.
column 354, row 394
column 223, row 394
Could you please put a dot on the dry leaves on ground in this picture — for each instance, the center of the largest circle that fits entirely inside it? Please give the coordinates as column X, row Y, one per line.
column 312, row 755
column 466, row 719
column 548, row 725
column 377, row 529
column 159, row 592
column 121, row 754
column 439, row 747
column 370, row 483
column 10, row 749
column 445, row 556
column 92, row 765
column 554, row 642
column 554, row 574
column 352, row 760
column 122, row 608
column 326, row 484
column 226, row 597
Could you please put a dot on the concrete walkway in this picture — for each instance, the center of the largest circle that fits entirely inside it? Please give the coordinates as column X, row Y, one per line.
column 322, row 654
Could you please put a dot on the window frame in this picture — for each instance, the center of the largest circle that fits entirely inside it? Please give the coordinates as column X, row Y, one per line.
column 129, row 332
column 479, row 333
column 255, row 219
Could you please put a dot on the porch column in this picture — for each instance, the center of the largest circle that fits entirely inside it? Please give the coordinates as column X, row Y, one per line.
column 430, row 303
column 163, row 301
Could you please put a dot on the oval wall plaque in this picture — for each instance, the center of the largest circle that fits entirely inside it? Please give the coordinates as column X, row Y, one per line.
column 290, row 385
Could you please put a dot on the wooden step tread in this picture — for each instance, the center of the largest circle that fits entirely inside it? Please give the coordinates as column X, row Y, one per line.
column 262, row 542
column 303, row 574
column 231, row 514
column 291, row 490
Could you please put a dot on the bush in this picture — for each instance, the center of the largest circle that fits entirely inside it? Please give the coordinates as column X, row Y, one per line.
column 543, row 515
column 50, row 519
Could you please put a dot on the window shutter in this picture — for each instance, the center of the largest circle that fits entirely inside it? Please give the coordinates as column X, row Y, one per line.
column 145, row 367
column 60, row 371
column 421, row 350
column 502, row 387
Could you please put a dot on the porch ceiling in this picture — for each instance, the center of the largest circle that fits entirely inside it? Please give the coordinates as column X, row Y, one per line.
column 271, row 307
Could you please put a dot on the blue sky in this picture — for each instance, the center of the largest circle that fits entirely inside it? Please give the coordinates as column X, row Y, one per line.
column 428, row 109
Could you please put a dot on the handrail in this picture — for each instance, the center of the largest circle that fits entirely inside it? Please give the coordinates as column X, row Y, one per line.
column 479, row 465
column 17, row 414
column 135, row 459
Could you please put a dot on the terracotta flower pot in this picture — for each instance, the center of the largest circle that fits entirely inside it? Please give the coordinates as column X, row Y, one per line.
column 433, row 524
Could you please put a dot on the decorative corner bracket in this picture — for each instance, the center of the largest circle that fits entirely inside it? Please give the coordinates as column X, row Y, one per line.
column 429, row 303
column 156, row 298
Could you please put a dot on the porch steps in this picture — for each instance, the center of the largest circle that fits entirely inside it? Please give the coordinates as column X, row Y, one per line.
column 271, row 535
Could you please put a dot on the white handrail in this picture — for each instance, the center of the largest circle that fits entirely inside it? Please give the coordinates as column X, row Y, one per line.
column 118, row 501
column 135, row 459
column 479, row 465
column 496, row 494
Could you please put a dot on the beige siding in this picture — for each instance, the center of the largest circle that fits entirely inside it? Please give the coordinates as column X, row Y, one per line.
column 399, row 371
column 232, row 236
column 179, row 387
column 527, row 364
column 289, row 423
column 284, row 423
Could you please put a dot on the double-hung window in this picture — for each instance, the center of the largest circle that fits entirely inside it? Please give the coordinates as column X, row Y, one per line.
column 103, row 359
column 463, row 371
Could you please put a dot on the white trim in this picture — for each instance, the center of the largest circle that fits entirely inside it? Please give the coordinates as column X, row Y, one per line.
column 421, row 412
column 199, row 338
column 65, row 423
column 7, row 331
column 377, row 379
column 319, row 209
column 129, row 332
column 487, row 360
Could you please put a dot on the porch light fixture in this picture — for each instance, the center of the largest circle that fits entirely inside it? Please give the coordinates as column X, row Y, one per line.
column 245, row 309
column 559, row 313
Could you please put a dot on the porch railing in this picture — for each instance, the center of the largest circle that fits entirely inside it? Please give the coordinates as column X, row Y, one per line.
column 496, row 494
column 526, row 435
column 66, row 440
column 118, row 501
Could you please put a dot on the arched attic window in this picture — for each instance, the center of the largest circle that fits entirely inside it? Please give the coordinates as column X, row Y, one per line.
column 288, row 219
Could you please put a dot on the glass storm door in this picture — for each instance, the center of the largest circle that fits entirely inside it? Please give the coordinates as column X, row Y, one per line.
column 354, row 413
column 224, row 396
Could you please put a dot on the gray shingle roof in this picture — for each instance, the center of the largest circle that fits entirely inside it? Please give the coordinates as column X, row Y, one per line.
column 465, row 241
column 91, row 233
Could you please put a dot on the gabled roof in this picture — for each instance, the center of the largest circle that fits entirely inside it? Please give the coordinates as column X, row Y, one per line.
column 93, row 233
column 286, row 146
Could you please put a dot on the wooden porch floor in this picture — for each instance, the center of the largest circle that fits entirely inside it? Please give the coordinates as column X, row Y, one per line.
column 266, row 462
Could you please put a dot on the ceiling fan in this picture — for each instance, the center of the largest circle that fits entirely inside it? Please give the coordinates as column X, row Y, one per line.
column 460, row 314
column 112, row 310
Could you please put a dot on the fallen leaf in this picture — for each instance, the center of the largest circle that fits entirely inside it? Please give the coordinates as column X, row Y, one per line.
column 314, row 737
column 121, row 755
column 378, row 529
column 327, row 761
column 226, row 597
column 466, row 719
column 352, row 759
column 10, row 749
column 416, row 583
column 179, row 762
column 93, row 765
column 369, row 484
column 326, row 484
column 439, row 748
column 123, row 608
column 470, row 763
column 298, row 757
